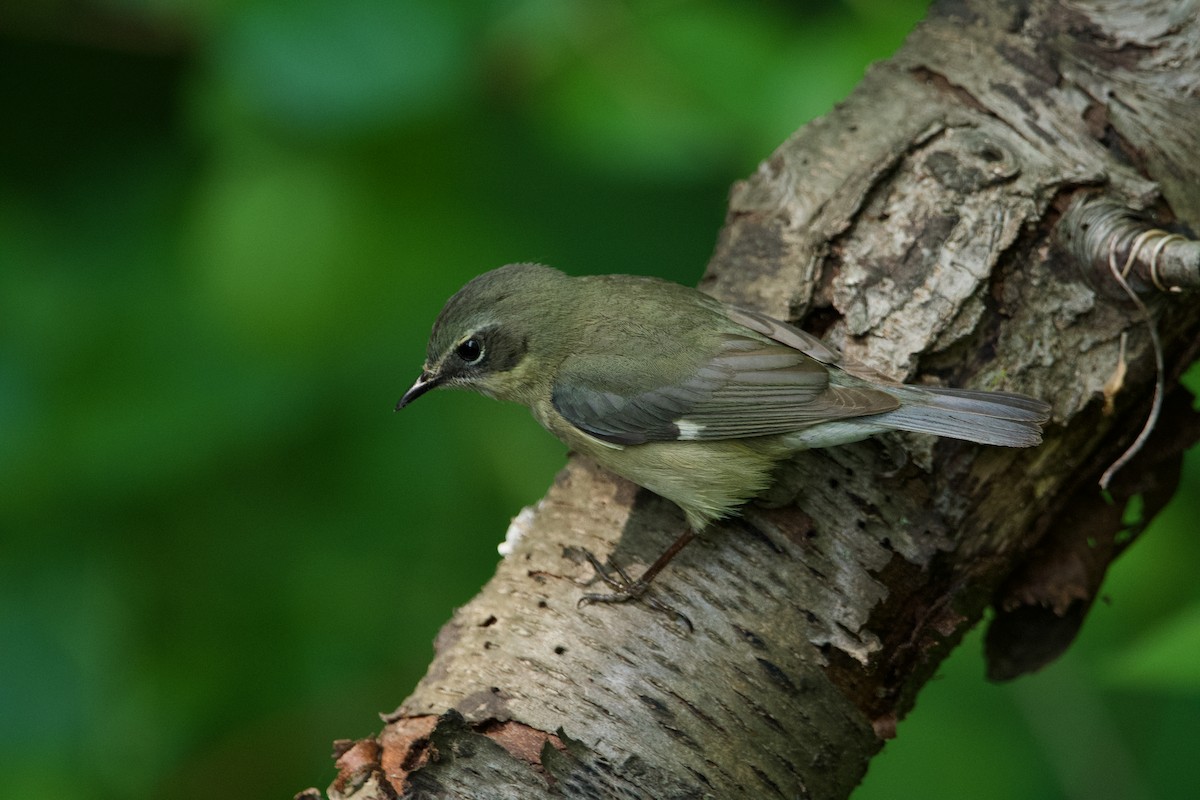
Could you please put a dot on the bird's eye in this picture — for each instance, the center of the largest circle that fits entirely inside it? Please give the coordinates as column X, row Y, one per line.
column 470, row 351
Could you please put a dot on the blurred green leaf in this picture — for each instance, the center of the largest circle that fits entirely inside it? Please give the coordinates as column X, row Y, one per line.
column 342, row 68
column 1164, row 658
column 275, row 247
column 1191, row 379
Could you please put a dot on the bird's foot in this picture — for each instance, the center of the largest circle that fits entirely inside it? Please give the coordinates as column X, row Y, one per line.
column 625, row 589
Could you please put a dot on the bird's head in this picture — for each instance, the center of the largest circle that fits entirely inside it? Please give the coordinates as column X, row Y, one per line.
column 491, row 336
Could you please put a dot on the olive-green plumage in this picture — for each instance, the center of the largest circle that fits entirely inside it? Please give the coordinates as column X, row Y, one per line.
column 691, row 398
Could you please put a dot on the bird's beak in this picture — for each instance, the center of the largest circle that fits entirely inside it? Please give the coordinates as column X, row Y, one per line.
column 427, row 381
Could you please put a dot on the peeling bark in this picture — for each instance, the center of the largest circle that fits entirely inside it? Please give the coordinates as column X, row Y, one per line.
column 915, row 227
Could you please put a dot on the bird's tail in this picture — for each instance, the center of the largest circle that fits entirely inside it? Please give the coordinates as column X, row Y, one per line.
column 996, row 418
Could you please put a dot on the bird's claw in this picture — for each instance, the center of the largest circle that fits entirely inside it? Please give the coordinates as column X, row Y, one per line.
column 625, row 589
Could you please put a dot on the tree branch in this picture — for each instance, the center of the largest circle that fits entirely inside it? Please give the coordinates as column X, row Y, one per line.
column 919, row 226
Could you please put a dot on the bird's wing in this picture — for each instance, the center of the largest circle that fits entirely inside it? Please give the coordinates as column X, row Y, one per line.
column 803, row 341
column 750, row 387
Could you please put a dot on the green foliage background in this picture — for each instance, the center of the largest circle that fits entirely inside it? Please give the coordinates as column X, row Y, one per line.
column 225, row 229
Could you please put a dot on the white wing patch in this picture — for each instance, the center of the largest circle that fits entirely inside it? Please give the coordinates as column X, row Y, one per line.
column 688, row 430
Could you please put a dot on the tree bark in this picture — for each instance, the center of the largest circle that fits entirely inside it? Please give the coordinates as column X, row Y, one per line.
column 931, row 227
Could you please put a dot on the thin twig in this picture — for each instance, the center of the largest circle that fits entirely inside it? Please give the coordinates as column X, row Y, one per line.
column 1160, row 369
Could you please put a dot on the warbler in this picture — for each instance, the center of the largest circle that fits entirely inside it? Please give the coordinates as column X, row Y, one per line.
column 692, row 398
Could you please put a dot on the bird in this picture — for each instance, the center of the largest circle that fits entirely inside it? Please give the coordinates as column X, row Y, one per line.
column 692, row 398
